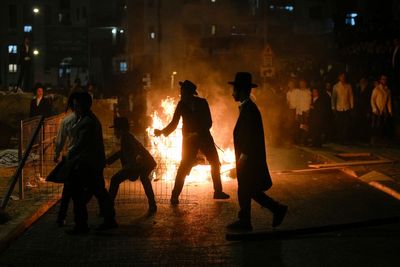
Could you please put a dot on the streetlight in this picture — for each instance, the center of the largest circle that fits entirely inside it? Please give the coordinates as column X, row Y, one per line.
column 173, row 78
column 36, row 10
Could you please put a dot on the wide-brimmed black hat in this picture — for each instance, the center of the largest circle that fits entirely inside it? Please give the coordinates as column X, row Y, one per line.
column 120, row 123
column 189, row 86
column 243, row 79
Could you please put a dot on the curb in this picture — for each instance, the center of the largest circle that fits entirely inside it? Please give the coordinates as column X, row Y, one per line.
column 351, row 172
column 295, row 233
column 25, row 224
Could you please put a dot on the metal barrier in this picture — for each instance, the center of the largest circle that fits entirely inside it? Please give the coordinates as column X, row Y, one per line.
column 40, row 163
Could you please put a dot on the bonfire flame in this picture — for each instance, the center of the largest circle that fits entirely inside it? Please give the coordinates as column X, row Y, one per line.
column 168, row 150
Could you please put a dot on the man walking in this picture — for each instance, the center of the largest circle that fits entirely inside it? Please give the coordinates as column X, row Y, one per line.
column 197, row 122
column 86, row 178
column 251, row 165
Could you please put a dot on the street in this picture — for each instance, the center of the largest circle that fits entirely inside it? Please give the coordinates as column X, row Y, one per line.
column 193, row 233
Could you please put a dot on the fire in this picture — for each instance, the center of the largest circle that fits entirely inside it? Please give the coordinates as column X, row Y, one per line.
column 167, row 150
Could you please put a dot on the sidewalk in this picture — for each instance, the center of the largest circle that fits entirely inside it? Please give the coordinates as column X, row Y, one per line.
column 384, row 176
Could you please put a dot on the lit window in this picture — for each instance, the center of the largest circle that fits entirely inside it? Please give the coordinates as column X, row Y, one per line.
column 12, row 68
column 123, row 66
column 282, row 8
column 213, row 29
column 12, row 49
column 152, row 35
column 351, row 19
column 289, row 8
column 27, row 28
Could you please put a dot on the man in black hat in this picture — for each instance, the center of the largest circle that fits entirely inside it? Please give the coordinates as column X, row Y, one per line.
column 197, row 122
column 86, row 178
column 251, row 165
column 136, row 162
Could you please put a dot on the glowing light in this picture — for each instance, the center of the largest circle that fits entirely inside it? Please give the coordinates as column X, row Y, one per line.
column 36, row 52
column 114, row 31
column 36, row 10
column 167, row 150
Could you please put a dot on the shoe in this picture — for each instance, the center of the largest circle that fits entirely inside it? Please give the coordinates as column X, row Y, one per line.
column 78, row 231
column 220, row 195
column 240, row 225
column 174, row 200
column 107, row 226
column 279, row 215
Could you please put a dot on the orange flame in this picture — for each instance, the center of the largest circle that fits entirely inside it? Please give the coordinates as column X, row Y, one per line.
column 168, row 150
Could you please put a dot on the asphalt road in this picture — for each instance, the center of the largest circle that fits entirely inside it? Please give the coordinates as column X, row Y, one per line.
column 193, row 234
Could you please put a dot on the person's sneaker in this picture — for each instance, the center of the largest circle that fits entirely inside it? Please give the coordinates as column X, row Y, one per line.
column 240, row 225
column 174, row 200
column 220, row 195
column 77, row 231
column 107, row 226
column 279, row 215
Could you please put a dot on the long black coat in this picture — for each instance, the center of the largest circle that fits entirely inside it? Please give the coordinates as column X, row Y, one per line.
column 248, row 137
column 88, row 146
column 44, row 108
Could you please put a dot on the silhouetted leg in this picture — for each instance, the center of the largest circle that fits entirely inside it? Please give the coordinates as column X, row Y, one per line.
column 209, row 150
column 148, row 189
column 80, row 210
column 116, row 180
column 184, row 169
column 266, row 201
column 189, row 153
column 101, row 193
column 244, row 198
column 64, row 203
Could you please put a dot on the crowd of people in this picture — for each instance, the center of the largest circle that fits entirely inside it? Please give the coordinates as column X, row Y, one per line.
column 313, row 113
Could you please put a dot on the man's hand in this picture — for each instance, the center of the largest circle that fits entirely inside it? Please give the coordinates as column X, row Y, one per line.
column 157, row 132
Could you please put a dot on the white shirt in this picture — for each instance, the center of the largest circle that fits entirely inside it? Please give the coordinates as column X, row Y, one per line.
column 299, row 99
column 381, row 100
column 38, row 101
column 65, row 132
column 342, row 97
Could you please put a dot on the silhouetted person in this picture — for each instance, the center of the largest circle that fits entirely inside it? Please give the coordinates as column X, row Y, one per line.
column 362, row 108
column 25, row 65
column 317, row 117
column 64, row 137
column 197, row 122
column 381, row 105
column 136, row 162
column 251, row 165
column 88, row 156
column 342, row 104
column 39, row 105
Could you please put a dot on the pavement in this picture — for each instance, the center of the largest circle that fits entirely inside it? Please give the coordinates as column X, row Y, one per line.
column 194, row 233
column 378, row 166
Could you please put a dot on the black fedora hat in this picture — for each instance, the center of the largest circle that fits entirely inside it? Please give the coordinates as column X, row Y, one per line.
column 189, row 86
column 243, row 79
column 120, row 123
